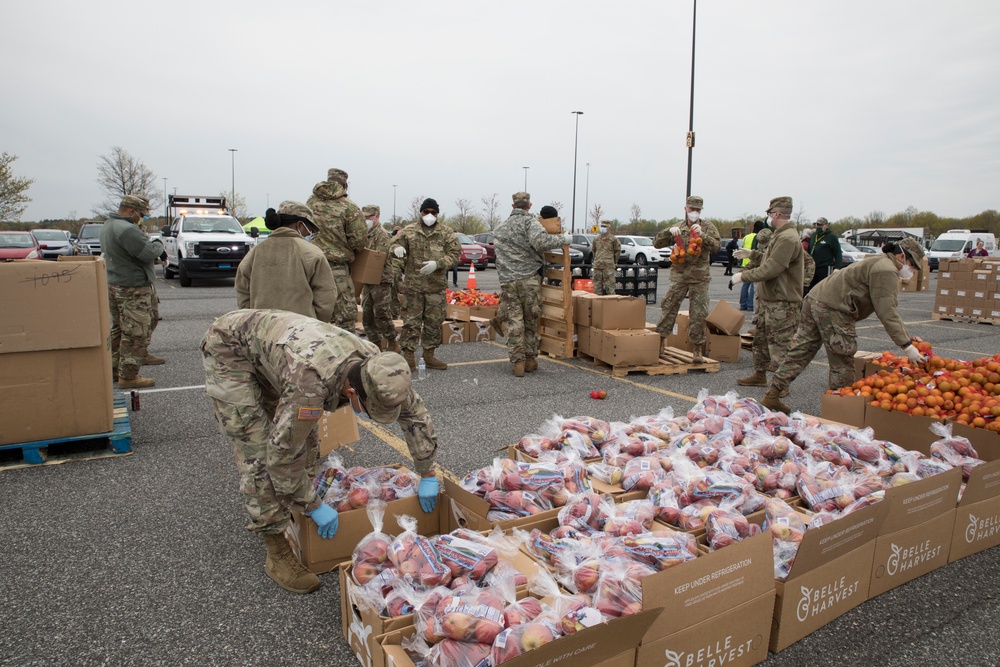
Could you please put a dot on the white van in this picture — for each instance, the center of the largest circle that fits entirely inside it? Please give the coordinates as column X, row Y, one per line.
column 956, row 243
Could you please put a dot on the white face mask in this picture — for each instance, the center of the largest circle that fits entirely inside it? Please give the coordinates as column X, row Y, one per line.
column 369, row 223
column 694, row 216
column 905, row 273
column 429, row 219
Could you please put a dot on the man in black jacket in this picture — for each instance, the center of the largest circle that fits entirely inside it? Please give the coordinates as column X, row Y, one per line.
column 824, row 247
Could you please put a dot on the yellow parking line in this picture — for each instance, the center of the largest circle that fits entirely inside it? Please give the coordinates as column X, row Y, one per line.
column 398, row 444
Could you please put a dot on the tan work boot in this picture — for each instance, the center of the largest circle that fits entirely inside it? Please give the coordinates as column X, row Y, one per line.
column 758, row 379
column 285, row 569
column 497, row 326
column 663, row 344
column 408, row 355
column 519, row 369
column 530, row 365
column 138, row 382
column 153, row 360
column 433, row 362
column 696, row 354
column 394, row 345
column 772, row 400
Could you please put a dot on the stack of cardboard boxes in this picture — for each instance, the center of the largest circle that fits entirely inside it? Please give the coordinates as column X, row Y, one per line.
column 968, row 288
column 468, row 324
column 724, row 323
column 920, row 281
column 612, row 329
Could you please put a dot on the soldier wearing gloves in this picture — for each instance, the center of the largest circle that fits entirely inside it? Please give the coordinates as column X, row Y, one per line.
column 835, row 304
column 520, row 242
column 376, row 300
column 270, row 374
column 428, row 249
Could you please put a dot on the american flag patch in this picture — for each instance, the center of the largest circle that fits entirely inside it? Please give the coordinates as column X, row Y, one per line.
column 310, row 414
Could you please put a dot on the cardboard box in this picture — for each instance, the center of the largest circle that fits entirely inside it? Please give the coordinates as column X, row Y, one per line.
column 848, row 410
column 617, row 312
column 679, row 335
column 901, row 428
column 723, row 348
column 861, row 359
column 583, row 339
column 916, row 503
column 463, row 313
column 582, row 307
column 363, row 629
column 321, row 555
column 479, row 330
column 467, row 510
column 977, row 528
column 453, row 332
column 904, row 555
column 737, row 637
column 336, row 429
column 55, row 350
column 367, row 266
column 725, row 319
column 629, row 347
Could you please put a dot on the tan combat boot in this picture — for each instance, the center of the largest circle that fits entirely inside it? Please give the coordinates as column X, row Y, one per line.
column 696, row 356
column 758, row 379
column 663, row 344
column 285, row 569
column 772, row 401
column 408, row 355
column 433, row 362
column 153, row 360
column 138, row 382
column 394, row 345
column 530, row 365
column 519, row 369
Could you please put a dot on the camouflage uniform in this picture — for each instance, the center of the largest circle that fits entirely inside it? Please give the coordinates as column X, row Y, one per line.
column 376, row 300
column 520, row 242
column 129, row 255
column 607, row 250
column 689, row 279
column 397, row 279
column 424, row 307
column 341, row 233
column 269, row 375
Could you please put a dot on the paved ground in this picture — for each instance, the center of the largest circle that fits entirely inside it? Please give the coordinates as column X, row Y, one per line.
column 143, row 560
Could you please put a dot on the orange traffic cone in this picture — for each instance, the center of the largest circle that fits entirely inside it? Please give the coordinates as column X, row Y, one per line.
column 472, row 277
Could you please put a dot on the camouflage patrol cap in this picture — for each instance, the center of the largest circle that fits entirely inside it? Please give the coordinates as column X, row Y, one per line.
column 289, row 207
column 695, row 202
column 370, row 209
column 521, row 198
column 387, row 384
column 781, row 203
column 911, row 247
column 822, row 221
column 338, row 175
column 135, row 202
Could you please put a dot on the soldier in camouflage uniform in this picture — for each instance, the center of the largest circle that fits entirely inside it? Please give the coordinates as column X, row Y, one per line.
column 835, row 304
column 270, row 374
column 520, row 242
column 341, row 233
column 607, row 250
column 130, row 255
column 690, row 278
column 428, row 249
column 397, row 278
column 779, row 281
column 376, row 300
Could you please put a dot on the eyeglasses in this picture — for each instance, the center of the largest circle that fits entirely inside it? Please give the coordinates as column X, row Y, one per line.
column 428, row 210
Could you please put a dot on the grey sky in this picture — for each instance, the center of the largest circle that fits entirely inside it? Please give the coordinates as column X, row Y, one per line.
column 849, row 106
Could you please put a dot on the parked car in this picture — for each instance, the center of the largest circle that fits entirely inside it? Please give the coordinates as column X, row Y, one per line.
column 640, row 250
column 57, row 242
column 472, row 253
column 486, row 241
column 720, row 256
column 868, row 250
column 585, row 244
column 850, row 253
column 90, row 236
column 575, row 256
column 18, row 245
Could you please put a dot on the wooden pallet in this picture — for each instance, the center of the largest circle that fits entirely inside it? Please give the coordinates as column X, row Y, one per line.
column 555, row 326
column 673, row 361
column 964, row 319
column 117, row 442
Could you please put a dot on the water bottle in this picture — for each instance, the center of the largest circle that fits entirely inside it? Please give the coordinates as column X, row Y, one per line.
column 421, row 369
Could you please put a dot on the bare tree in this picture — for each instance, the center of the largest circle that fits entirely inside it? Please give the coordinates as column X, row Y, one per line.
column 875, row 219
column 491, row 205
column 634, row 218
column 13, row 201
column 120, row 174
column 415, row 208
column 801, row 218
column 237, row 204
column 596, row 213
column 556, row 205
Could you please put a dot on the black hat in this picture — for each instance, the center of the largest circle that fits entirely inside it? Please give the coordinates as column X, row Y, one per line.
column 430, row 204
column 759, row 225
column 549, row 212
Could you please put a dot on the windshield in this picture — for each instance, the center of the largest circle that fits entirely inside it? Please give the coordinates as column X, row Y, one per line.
column 16, row 241
column 465, row 240
column 847, row 247
column 49, row 235
column 642, row 240
column 219, row 224
column 91, row 232
column 948, row 245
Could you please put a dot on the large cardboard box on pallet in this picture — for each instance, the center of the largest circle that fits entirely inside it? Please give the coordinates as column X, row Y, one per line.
column 627, row 347
column 906, row 554
column 617, row 312
column 55, row 350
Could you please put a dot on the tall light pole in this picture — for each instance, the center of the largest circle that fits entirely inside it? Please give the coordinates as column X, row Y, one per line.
column 690, row 134
column 394, row 205
column 166, row 209
column 526, row 178
column 576, row 136
column 268, row 201
column 232, row 204
column 586, row 199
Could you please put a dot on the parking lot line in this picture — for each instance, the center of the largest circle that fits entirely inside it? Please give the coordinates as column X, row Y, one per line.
column 398, row 444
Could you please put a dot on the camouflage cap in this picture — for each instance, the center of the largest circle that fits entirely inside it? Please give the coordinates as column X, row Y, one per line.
column 289, row 207
column 781, row 203
column 913, row 250
column 135, row 202
column 521, row 199
column 387, row 383
column 338, row 175
column 695, row 202
column 370, row 209
column 822, row 221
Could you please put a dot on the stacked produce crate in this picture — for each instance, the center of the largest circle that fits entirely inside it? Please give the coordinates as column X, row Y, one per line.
column 611, row 329
column 968, row 290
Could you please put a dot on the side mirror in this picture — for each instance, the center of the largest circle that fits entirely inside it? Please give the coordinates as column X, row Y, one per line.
column 254, row 232
column 165, row 230
column 73, row 237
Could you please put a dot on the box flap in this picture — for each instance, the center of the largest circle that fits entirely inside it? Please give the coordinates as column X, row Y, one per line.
column 920, row 501
column 821, row 545
column 725, row 319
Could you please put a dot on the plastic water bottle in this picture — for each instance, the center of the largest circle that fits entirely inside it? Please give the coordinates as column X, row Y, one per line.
column 421, row 369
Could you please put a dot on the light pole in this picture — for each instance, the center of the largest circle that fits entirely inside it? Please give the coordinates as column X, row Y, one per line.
column 232, row 204
column 166, row 209
column 526, row 177
column 394, row 205
column 586, row 199
column 690, row 134
column 268, row 201
column 576, row 136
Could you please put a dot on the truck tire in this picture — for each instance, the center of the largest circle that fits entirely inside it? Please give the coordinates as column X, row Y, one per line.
column 183, row 275
column 168, row 273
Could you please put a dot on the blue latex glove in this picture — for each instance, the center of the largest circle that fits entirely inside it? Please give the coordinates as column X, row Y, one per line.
column 326, row 519
column 428, row 493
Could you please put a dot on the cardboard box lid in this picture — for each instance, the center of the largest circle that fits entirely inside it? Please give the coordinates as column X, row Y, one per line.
column 725, row 319
column 921, row 501
column 821, row 545
column 51, row 306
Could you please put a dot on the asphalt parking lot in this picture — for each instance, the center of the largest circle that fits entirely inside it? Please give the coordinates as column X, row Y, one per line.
column 144, row 560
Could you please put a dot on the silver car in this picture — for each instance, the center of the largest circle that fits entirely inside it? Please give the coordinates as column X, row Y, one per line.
column 55, row 243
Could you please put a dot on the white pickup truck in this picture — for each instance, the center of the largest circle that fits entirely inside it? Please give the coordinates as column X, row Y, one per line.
column 203, row 240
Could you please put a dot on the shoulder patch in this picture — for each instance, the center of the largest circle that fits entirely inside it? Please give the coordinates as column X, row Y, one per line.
column 310, row 414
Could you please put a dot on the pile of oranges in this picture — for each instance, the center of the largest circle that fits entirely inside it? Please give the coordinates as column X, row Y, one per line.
column 694, row 244
column 677, row 253
column 965, row 391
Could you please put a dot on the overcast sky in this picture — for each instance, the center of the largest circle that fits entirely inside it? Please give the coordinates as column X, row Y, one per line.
column 849, row 106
